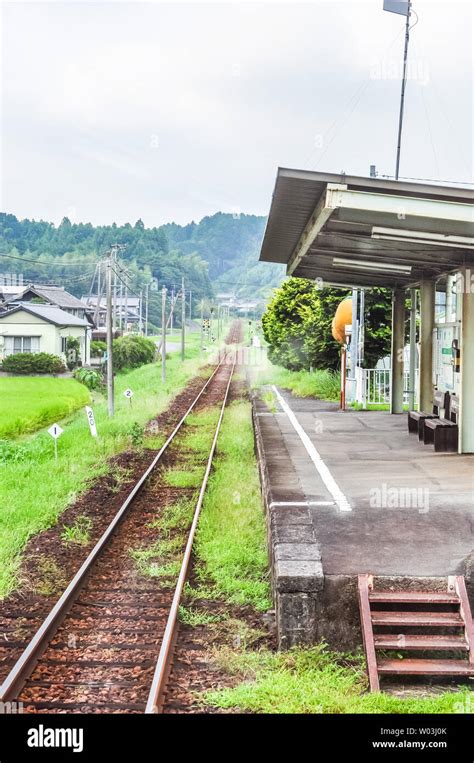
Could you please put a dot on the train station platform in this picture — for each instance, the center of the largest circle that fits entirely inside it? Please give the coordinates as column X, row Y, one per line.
column 354, row 493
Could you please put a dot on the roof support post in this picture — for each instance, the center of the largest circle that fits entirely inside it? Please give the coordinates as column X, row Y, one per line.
column 427, row 308
column 466, row 434
column 398, row 343
column 412, row 374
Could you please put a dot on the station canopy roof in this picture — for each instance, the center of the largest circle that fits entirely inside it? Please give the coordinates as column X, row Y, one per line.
column 361, row 231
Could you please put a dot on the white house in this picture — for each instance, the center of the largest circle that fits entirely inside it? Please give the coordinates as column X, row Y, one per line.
column 29, row 327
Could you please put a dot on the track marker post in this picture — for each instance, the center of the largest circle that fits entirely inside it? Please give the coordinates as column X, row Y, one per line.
column 55, row 431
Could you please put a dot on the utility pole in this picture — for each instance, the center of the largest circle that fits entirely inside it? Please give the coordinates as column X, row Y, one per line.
column 99, row 298
column 109, row 320
column 140, row 322
column 190, row 306
column 163, row 334
column 126, row 302
column 146, row 308
column 202, row 324
column 114, row 313
column 120, row 315
column 172, row 303
column 183, row 320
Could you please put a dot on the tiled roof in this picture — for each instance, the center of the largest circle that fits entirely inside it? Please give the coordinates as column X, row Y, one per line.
column 49, row 313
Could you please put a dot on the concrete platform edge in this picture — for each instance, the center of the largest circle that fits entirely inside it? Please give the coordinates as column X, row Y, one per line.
column 293, row 549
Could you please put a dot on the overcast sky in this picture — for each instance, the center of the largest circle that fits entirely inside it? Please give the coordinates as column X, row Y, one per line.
column 171, row 111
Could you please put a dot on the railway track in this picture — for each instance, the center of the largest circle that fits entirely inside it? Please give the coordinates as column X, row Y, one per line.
column 107, row 644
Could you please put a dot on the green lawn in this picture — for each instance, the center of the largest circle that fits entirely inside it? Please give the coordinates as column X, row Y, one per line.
column 32, row 402
column 35, row 489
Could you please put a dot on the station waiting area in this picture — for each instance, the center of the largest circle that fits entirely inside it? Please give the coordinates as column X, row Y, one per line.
column 411, row 508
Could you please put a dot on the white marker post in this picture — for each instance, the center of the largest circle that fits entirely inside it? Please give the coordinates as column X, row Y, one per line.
column 91, row 420
column 55, row 431
column 129, row 394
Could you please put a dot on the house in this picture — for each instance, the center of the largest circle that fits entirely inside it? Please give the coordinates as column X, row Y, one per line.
column 127, row 312
column 49, row 295
column 31, row 327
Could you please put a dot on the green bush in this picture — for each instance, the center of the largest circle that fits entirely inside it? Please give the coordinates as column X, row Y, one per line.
column 98, row 348
column 132, row 351
column 91, row 379
column 33, row 363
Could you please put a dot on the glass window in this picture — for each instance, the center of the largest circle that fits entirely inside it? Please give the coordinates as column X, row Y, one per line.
column 16, row 344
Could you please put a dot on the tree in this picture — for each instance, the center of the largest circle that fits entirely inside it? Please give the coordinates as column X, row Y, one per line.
column 297, row 325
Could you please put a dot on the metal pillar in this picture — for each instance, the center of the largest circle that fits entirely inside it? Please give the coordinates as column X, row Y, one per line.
column 402, row 96
column 398, row 344
column 466, row 431
column 427, row 309
column 412, row 373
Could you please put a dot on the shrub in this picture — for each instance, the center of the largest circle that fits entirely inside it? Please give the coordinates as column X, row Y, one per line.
column 298, row 319
column 98, row 348
column 132, row 351
column 33, row 363
column 91, row 379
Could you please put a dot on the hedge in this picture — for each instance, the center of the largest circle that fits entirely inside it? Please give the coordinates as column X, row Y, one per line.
column 132, row 351
column 33, row 363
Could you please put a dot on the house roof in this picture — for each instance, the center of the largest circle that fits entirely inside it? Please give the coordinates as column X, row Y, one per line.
column 57, row 295
column 48, row 313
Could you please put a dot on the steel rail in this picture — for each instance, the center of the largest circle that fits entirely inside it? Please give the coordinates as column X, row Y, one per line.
column 24, row 666
column 163, row 665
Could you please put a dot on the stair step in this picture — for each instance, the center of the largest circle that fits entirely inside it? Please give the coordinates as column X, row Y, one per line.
column 426, row 667
column 413, row 597
column 417, row 618
column 404, row 641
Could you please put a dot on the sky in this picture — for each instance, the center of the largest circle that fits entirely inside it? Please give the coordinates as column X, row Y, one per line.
column 116, row 111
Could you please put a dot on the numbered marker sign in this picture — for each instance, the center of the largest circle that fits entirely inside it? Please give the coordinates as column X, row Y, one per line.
column 128, row 394
column 91, row 420
column 55, row 431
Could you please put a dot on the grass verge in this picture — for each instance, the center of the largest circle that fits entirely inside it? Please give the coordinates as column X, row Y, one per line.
column 319, row 383
column 314, row 680
column 230, row 541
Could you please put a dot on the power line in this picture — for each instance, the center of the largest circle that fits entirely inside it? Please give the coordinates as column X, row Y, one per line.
column 44, row 262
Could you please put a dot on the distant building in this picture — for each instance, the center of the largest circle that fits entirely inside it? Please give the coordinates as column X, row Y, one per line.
column 127, row 312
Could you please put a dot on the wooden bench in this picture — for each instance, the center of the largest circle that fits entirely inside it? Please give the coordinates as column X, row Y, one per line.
column 444, row 432
column 416, row 419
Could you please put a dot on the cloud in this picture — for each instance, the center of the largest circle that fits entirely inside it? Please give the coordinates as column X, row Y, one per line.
column 171, row 111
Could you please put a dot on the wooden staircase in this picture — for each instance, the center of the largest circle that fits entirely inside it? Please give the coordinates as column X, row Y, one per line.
column 425, row 611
